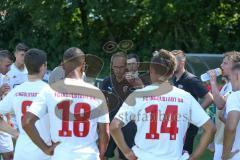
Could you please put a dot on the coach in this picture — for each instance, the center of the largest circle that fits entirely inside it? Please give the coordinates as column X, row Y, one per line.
column 116, row 89
column 190, row 83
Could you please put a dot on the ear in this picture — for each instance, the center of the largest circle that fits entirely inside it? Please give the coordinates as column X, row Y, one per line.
column 42, row 68
column 151, row 70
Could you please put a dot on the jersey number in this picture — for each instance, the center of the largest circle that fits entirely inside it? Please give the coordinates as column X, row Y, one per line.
column 171, row 114
column 25, row 105
column 81, row 118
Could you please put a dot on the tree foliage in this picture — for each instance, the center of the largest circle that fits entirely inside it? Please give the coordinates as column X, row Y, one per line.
column 54, row 25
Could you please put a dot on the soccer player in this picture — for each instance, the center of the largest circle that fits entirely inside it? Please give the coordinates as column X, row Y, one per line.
column 162, row 113
column 77, row 111
column 220, row 97
column 20, row 98
column 231, row 143
column 18, row 72
column 6, row 144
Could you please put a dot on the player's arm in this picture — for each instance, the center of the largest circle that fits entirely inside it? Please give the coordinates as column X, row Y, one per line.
column 116, row 132
column 221, row 115
column 201, row 91
column 206, row 138
column 229, row 134
column 5, row 127
column 28, row 125
column 103, row 129
column 207, row 100
column 4, row 89
column 218, row 99
column 200, row 118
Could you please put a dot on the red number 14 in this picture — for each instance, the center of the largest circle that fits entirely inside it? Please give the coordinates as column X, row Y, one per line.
column 170, row 113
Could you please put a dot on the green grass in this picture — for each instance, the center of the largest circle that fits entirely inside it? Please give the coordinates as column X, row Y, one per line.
column 207, row 154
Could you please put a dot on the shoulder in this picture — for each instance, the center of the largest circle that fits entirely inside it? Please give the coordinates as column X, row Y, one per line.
column 191, row 77
column 234, row 96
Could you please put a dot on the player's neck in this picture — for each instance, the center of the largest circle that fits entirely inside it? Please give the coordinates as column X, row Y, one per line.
column 34, row 77
column 74, row 75
column 19, row 66
column 179, row 73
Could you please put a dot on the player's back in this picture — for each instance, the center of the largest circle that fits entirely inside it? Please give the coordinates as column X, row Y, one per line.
column 18, row 101
column 23, row 97
column 162, row 122
column 73, row 109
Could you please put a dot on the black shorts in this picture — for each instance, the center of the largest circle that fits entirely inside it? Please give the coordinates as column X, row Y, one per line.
column 129, row 132
column 191, row 133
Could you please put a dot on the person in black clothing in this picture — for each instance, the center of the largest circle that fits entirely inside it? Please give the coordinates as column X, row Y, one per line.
column 116, row 89
column 190, row 83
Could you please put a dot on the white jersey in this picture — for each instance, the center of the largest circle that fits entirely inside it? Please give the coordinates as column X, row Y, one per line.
column 6, row 144
column 233, row 104
column 17, row 76
column 70, row 118
column 162, row 122
column 17, row 101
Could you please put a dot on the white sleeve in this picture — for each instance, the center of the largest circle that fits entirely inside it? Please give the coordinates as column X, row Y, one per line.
column 233, row 103
column 6, row 105
column 125, row 113
column 39, row 106
column 197, row 115
column 104, row 114
column 104, row 118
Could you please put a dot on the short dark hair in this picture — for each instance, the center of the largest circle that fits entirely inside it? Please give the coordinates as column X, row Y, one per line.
column 133, row 55
column 34, row 59
column 72, row 59
column 163, row 62
column 21, row 47
column 5, row 54
column 179, row 52
column 236, row 66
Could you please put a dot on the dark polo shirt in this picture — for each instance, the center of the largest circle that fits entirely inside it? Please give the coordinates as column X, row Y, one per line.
column 191, row 84
column 195, row 87
column 115, row 93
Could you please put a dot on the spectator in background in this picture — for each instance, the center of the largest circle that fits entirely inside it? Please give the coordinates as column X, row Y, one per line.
column 219, row 97
column 6, row 144
column 190, row 83
column 132, row 75
column 18, row 72
column 116, row 89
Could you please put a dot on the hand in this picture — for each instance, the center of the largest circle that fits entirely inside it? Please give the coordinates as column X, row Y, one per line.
column 229, row 155
column 50, row 149
column 213, row 76
column 136, row 83
column 129, row 76
column 102, row 157
column 130, row 155
column 4, row 89
column 192, row 158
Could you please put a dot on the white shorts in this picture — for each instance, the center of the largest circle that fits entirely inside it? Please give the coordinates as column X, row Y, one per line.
column 218, row 151
column 26, row 150
column 63, row 152
column 6, row 144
